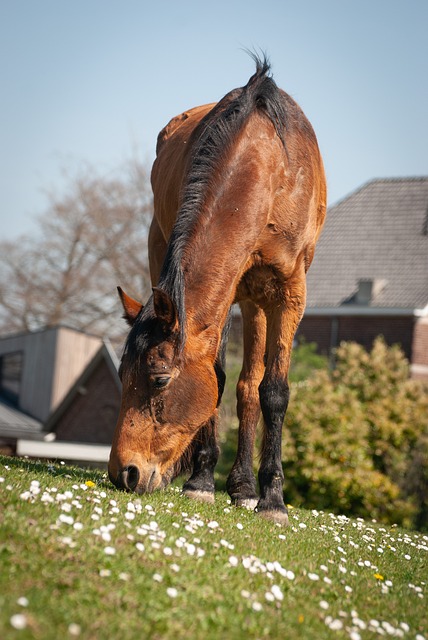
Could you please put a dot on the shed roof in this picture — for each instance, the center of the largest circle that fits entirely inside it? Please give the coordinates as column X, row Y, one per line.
column 16, row 424
column 378, row 233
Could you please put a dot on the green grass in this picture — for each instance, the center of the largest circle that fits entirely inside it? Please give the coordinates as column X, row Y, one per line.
column 182, row 569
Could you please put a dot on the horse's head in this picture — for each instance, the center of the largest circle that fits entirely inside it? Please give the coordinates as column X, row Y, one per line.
column 169, row 389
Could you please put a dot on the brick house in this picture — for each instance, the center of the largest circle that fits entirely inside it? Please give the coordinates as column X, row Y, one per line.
column 370, row 271
column 59, row 394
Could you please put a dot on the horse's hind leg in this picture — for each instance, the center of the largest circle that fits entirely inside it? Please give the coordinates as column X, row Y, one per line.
column 282, row 323
column 241, row 483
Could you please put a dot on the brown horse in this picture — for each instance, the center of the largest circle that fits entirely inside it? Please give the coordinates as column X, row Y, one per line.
column 239, row 202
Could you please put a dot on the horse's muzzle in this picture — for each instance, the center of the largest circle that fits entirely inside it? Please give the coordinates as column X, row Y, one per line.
column 139, row 480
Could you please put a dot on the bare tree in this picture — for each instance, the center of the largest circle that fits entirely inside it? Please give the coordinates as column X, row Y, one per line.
column 90, row 239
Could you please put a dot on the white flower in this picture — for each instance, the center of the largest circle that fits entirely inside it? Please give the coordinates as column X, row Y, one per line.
column 336, row 625
column 277, row 592
column 66, row 519
column 324, row 604
column 256, row 606
column 270, row 597
column 302, row 525
column 167, row 551
column 23, row 602
column 212, row 524
column 157, row 577
column 74, row 629
column 313, row 576
column 233, row 561
column 18, row 621
column 109, row 551
column 172, row 592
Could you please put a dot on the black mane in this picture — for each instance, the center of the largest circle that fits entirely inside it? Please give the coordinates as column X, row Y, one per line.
column 210, row 139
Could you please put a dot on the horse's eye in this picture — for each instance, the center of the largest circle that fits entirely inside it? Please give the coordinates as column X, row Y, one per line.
column 161, row 381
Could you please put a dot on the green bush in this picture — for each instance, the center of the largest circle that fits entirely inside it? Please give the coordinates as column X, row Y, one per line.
column 305, row 360
column 356, row 438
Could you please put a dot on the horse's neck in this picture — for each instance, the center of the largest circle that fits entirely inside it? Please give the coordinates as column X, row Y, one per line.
column 213, row 264
column 227, row 228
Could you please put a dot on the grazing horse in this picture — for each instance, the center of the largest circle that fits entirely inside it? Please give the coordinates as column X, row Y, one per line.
column 239, row 202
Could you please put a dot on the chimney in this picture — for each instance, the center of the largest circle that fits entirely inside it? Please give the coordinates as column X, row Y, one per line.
column 364, row 292
column 368, row 289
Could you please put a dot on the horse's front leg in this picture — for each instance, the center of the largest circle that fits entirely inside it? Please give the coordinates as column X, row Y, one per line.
column 200, row 485
column 282, row 323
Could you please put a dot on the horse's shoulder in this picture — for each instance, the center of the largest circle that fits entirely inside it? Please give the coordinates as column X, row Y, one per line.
column 190, row 117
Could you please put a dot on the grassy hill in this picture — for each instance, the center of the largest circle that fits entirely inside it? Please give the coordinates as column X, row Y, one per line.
column 80, row 559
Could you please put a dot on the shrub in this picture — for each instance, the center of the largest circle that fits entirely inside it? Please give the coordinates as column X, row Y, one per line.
column 356, row 439
column 305, row 360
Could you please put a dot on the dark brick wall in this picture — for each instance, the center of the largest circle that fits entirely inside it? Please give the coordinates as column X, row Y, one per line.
column 93, row 413
column 316, row 329
column 395, row 330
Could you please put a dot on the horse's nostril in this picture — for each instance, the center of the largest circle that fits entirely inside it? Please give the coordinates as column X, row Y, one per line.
column 130, row 477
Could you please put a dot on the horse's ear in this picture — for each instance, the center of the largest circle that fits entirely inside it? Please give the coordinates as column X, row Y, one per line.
column 165, row 309
column 130, row 306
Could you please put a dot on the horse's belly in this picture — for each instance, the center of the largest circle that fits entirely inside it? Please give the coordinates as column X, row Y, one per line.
column 261, row 283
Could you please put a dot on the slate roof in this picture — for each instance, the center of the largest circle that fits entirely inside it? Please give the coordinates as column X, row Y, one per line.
column 379, row 232
column 16, row 424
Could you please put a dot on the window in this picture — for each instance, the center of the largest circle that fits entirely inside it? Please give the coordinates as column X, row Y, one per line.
column 10, row 376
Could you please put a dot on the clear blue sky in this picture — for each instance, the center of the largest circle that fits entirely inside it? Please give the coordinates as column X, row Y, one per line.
column 94, row 80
